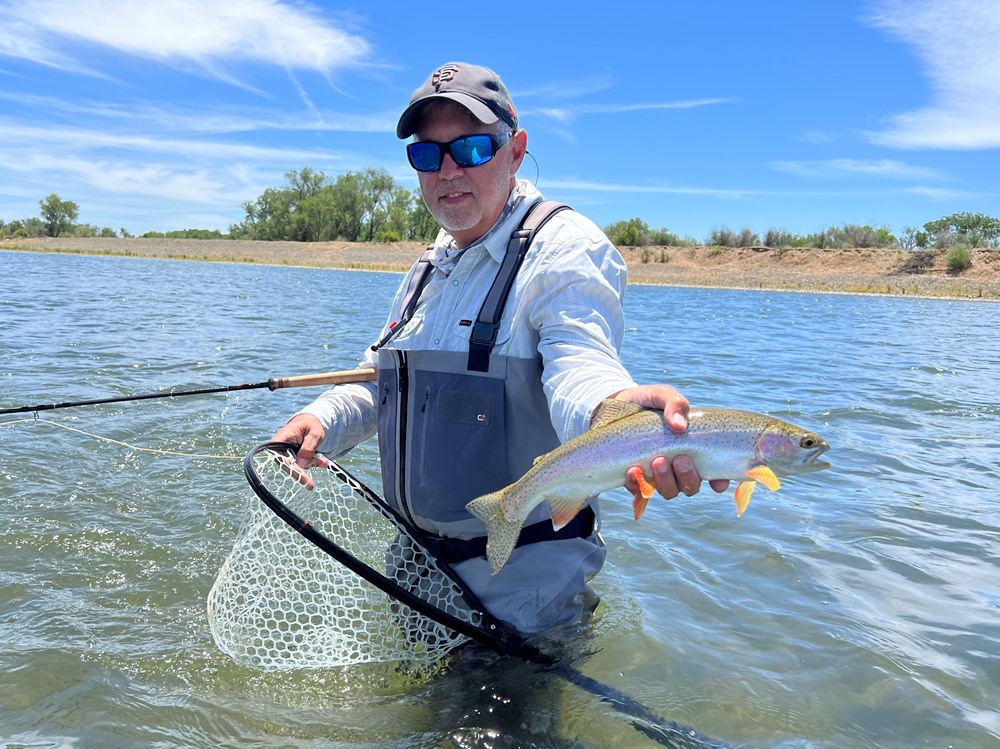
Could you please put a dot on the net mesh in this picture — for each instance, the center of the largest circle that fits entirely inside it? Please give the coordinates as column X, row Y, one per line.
column 279, row 602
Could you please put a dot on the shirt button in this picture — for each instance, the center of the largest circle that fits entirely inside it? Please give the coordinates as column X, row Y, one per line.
column 437, row 341
column 454, row 282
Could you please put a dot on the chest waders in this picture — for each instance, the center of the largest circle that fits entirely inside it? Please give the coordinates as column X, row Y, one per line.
column 454, row 425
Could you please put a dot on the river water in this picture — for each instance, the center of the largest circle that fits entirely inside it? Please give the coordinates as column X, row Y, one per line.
column 855, row 607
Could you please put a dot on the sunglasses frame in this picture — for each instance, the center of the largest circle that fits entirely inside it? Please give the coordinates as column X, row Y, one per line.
column 497, row 141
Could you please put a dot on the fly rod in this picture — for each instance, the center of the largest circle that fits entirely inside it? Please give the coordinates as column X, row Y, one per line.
column 274, row 383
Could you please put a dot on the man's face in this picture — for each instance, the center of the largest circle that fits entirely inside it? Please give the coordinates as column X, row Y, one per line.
column 466, row 201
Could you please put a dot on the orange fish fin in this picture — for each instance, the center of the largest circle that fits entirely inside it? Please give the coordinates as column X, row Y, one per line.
column 563, row 510
column 641, row 498
column 610, row 410
column 742, row 497
column 766, row 476
column 639, row 503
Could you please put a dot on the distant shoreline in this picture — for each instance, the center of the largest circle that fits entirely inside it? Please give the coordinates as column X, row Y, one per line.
column 850, row 271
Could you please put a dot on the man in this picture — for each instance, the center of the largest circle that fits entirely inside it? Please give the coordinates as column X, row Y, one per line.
column 451, row 430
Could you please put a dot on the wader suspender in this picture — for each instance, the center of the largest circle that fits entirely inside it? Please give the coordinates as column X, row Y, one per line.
column 484, row 333
column 421, row 275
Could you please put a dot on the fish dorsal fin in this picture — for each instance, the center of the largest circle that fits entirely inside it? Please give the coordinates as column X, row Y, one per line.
column 611, row 410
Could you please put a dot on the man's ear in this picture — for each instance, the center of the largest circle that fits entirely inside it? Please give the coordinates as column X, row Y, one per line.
column 519, row 147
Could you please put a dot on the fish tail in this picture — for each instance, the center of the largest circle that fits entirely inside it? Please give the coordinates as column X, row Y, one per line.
column 501, row 533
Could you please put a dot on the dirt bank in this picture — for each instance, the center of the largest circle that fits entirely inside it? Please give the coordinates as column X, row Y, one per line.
column 872, row 271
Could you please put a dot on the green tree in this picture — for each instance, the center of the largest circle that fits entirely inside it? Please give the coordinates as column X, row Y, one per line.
column 376, row 187
column 974, row 229
column 348, row 197
column 397, row 221
column 631, row 233
column 422, row 224
column 57, row 214
column 317, row 218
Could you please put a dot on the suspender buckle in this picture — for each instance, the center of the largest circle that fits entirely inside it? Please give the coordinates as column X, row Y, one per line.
column 485, row 332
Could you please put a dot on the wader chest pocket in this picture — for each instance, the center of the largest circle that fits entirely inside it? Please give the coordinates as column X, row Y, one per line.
column 460, row 445
column 465, row 407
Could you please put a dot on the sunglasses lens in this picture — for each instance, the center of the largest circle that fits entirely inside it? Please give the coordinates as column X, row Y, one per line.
column 424, row 157
column 472, row 150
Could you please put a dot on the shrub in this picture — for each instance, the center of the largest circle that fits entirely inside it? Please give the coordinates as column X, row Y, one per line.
column 958, row 258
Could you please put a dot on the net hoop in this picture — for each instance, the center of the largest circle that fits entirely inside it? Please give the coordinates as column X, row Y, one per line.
column 354, row 583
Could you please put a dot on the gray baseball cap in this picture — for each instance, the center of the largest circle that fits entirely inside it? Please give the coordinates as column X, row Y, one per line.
column 476, row 88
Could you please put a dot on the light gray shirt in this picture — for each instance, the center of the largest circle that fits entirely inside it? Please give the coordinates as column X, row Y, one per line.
column 567, row 297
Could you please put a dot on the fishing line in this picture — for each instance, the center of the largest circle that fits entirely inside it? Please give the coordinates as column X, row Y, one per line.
column 157, row 451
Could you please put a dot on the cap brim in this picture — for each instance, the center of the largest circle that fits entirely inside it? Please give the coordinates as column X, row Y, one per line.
column 407, row 124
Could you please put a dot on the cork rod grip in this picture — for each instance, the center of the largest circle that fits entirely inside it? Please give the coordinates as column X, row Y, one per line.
column 325, row 378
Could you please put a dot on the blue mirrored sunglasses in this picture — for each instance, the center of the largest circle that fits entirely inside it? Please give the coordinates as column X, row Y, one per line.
column 469, row 150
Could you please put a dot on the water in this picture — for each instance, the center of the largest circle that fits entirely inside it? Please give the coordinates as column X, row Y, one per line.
column 856, row 607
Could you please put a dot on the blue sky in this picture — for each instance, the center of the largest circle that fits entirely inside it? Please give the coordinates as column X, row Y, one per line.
column 161, row 115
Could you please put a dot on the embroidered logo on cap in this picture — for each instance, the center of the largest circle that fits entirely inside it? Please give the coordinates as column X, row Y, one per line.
column 444, row 75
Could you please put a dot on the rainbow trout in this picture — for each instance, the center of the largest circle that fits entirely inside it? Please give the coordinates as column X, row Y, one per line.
column 741, row 446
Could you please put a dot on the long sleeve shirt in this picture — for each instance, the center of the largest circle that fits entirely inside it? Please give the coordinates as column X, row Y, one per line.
column 566, row 306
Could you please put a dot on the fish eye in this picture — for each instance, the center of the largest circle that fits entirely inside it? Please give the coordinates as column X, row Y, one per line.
column 807, row 441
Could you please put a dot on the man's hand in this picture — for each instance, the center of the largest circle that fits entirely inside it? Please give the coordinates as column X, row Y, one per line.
column 305, row 431
column 669, row 477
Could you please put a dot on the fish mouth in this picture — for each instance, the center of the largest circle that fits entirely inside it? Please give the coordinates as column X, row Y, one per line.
column 813, row 462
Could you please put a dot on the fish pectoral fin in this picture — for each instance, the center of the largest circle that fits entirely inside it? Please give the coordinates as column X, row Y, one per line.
column 641, row 498
column 564, row 509
column 742, row 497
column 766, row 476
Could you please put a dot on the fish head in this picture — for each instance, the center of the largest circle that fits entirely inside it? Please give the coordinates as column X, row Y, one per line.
column 788, row 449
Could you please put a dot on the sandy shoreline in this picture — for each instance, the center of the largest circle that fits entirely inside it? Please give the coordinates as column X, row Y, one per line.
column 865, row 271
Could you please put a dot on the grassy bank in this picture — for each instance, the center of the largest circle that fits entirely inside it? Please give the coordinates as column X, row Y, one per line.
column 858, row 271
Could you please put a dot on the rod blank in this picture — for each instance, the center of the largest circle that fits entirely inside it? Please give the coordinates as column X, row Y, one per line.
column 274, row 383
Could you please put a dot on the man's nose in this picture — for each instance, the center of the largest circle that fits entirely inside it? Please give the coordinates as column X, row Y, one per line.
column 449, row 169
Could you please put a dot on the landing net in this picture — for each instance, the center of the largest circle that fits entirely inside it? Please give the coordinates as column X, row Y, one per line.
column 305, row 584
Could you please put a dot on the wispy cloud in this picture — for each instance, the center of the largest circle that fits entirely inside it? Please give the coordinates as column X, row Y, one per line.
column 207, row 38
column 611, row 187
column 145, row 116
column 567, row 113
column 881, row 168
column 956, row 42
column 943, row 195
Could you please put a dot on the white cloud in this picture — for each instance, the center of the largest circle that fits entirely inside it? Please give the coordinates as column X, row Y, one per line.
column 882, row 168
column 956, row 41
column 569, row 112
column 943, row 194
column 145, row 116
column 610, row 187
column 188, row 34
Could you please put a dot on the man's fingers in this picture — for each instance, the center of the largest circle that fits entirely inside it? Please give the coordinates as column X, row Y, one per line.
column 663, row 477
column 686, row 475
